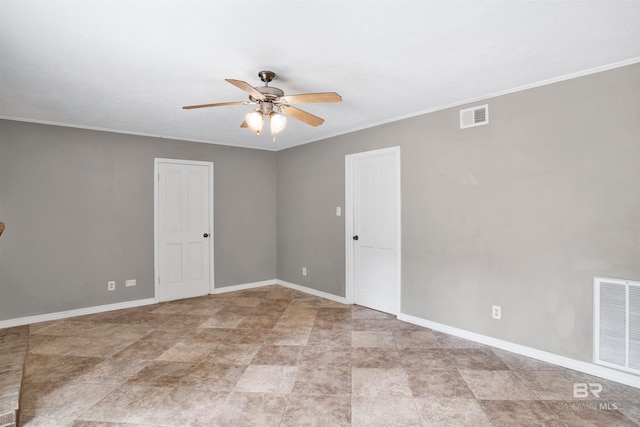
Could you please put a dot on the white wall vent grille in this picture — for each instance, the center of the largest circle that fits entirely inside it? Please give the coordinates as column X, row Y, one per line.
column 617, row 324
column 474, row 116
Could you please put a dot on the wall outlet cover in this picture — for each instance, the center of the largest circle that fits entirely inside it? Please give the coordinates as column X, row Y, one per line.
column 496, row 312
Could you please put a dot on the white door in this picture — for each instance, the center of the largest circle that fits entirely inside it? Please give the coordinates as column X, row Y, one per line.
column 184, row 209
column 374, row 235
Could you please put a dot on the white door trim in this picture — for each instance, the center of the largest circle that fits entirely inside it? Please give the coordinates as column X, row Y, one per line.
column 156, row 248
column 348, row 211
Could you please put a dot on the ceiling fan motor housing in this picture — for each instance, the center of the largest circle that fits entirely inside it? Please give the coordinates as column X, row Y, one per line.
column 269, row 92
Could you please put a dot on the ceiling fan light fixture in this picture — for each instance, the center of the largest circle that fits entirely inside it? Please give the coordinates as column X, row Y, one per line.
column 277, row 122
column 255, row 120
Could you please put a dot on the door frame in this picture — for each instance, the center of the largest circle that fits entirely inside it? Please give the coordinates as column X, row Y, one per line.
column 349, row 161
column 156, row 220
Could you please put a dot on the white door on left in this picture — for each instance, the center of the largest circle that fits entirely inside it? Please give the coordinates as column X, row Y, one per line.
column 184, row 197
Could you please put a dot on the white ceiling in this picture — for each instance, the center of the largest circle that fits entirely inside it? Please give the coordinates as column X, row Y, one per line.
column 130, row 66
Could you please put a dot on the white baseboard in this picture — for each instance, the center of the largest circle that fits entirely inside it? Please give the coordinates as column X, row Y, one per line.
column 289, row 285
column 138, row 303
column 243, row 286
column 73, row 313
column 566, row 362
column 311, row 291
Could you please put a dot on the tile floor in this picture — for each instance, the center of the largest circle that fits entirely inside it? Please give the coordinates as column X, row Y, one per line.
column 276, row 357
column 13, row 347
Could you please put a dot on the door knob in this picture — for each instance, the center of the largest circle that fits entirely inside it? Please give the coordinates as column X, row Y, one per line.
column 205, row 235
column 355, row 237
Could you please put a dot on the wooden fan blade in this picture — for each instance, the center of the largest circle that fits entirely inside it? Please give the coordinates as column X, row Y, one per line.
column 244, row 124
column 247, row 88
column 219, row 104
column 301, row 115
column 312, row 97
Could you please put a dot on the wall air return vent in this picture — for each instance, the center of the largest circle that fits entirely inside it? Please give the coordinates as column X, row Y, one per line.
column 474, row 116
column 617, row 324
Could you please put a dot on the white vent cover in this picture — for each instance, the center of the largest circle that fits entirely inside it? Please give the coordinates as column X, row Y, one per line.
column 474, row 116
column 617, row 324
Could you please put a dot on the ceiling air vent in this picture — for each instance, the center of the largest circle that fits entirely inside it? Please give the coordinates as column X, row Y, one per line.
column 474, row 116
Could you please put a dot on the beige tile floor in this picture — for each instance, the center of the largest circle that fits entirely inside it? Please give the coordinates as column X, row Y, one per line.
column 276, row 357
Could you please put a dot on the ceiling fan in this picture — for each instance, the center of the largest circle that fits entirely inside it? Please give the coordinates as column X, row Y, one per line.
column 273, row 104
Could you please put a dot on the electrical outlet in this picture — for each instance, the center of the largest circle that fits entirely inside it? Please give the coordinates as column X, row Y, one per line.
column 111, row 285
column 496, row 312
column 304, row 271
column 131, row 282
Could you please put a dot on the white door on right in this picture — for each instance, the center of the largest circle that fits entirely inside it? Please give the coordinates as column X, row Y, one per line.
column 376, row 230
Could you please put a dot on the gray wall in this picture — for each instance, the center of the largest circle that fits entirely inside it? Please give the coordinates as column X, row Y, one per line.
column 522, row 213
column 78, row 205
